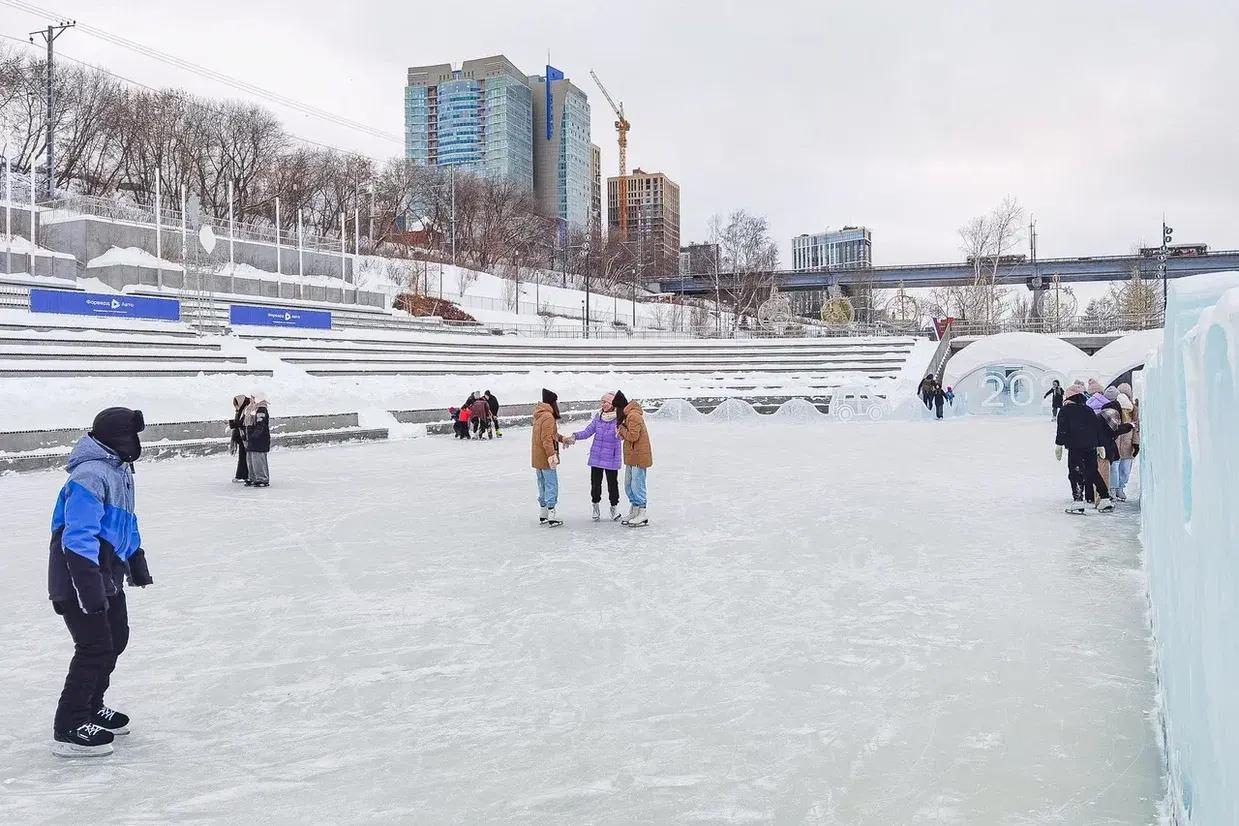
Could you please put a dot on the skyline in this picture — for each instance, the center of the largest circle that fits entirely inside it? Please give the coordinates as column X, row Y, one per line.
column 907, row 123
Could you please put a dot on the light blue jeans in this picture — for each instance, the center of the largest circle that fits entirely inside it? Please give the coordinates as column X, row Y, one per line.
column 1121, row 473
column 634, row 485
column 548, row 487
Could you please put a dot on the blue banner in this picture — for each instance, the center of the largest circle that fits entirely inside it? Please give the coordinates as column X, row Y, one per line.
column 71, row 302
column 255, row 316
column 551, row 74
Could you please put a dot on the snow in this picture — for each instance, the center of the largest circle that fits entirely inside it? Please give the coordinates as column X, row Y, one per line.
column 21, row 246
column 798, row 410
column 251, row 272
column 131, row 257
column 1190, row 528
column 677, row 410
column 364, row 643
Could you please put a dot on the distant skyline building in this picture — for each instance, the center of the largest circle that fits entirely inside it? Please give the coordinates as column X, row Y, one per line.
column 653, row 212
column 595, row 190
column 562, row 151
column 833, row 249
column 478, row 118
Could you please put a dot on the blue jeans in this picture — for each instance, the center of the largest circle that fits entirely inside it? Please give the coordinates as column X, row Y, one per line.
column 1121, row 473
column 634, row 485
column 548, row 487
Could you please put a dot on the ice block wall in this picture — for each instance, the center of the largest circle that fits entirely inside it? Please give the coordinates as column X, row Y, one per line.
column 1190, row 529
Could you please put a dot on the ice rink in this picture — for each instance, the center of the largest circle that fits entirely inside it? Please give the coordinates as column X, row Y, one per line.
column 867, row 623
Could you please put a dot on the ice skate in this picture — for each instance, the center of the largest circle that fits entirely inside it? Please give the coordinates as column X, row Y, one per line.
column 615, row 513
column 552, row 519
column 631, row 514
column 542, row 517
column 1076, row 507
column 1105, row 506
column 597, row 513
column 112, row 720
column 87, row 740
column 639, row 519
column 1120, row 495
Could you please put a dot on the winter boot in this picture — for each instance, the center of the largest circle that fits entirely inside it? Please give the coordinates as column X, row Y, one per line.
column 631, row 515
column 552, row 519
column 615, row 514
column 639, row 520
column 87, row 740
column 597, row 513
column 112, row 720
column 1076, row 507
column 542, row 518
column 1105, row 506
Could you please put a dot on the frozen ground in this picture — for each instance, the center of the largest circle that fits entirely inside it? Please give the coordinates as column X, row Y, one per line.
column 888, row 623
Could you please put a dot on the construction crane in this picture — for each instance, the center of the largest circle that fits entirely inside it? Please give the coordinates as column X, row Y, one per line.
column 621, row 131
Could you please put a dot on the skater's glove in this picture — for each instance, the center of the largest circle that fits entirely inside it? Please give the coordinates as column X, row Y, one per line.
column 553, row 462
column 1101, row 453
column 1058, row 453
column 139, row 575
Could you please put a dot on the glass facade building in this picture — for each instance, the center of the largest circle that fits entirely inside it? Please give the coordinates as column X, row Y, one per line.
column 838, row 249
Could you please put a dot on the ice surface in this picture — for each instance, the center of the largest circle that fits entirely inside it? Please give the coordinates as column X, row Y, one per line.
column 732, row 410
column 677, row 410
column 1189, row 454
column 798, row 410
column 844, row 624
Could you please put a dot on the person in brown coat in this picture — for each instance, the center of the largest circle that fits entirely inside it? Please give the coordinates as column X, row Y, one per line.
column 638, row 456
column 545, row 456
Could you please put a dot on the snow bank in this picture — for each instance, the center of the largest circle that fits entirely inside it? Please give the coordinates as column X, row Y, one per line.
column 21, row 246
column 131, row 257
column 732, row 410
column 798, row 411
column 1190, row 529
column 677, row 410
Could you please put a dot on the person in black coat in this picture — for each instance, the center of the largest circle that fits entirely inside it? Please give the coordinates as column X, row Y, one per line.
column 939, row 397
column 1079, row 431
column 494, row 411
column 926, row 390
column 1056, row 402
column 237, row 442
column 257, row 421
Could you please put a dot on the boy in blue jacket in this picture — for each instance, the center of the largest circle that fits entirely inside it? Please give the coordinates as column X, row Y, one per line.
column 95, row 546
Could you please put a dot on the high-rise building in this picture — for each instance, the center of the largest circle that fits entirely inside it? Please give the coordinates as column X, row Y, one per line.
column 699, row 259
column 595, row 190
column 478, row 117
column 833, row 249
column 562, row 157
column 653, row 213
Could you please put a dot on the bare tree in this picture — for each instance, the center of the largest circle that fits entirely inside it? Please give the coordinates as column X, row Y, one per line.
column 985, row 240
column 749, row 256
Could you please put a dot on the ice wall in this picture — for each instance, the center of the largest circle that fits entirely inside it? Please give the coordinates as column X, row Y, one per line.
column 1190, row 528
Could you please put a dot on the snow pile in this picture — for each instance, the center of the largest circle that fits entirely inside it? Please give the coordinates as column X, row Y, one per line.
column 799, row 411
column 131, row 257
column 1190, row 529
column 21, row 246
column 732, row 410
column 677, row 410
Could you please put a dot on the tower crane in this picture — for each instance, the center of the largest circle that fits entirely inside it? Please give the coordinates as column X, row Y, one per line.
column 621, row 131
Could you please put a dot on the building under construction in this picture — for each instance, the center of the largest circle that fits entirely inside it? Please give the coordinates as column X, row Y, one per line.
column 651, row 214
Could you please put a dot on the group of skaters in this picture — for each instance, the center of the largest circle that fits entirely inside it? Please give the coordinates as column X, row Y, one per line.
column 620, row 439
column 934, row 395
column 250, row 442
column 1100, row 429
column 477, row 418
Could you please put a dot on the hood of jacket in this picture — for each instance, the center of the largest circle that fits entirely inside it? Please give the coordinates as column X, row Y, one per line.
column 89, row 450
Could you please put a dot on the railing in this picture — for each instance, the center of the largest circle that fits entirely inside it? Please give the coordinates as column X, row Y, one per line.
column 1083, row 326
column 937, row 364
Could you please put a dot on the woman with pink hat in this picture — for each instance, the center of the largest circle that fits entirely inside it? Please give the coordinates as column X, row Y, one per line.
column 605, row 456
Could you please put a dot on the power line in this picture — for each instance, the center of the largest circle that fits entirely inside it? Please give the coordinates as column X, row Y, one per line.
column 191, row 100
column 210, row 74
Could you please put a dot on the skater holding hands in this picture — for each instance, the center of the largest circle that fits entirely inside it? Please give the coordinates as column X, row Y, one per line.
column 605, row 455
column 545, row 456
column 95, row 549
column 1079, row 431
column 638, row 456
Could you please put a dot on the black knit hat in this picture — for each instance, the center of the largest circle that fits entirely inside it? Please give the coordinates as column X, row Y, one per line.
column 620, row 401
column 117, row 428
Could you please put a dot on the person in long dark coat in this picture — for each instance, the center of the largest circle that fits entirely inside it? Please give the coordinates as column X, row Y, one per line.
column 237, row 443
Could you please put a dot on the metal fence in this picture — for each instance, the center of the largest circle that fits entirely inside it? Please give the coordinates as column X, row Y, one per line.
column 1082, row 326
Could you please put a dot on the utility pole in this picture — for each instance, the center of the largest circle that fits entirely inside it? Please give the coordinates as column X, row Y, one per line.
column 49, row 36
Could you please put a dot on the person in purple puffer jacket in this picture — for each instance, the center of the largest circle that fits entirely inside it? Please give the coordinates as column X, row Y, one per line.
column 605, row 456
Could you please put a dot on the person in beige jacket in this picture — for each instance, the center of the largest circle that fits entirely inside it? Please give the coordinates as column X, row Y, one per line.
column 545, row 456
column 1128, row 443
column 638, row 456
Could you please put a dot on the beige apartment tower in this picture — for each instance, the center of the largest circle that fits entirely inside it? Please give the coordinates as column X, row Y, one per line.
column 653, row 211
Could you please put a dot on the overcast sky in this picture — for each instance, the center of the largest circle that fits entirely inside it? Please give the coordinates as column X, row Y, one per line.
column 907, row 117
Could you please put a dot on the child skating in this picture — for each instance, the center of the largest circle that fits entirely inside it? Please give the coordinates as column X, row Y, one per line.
column 605, row 456
column 638, row 456
column 545, row 456
column 95, row 548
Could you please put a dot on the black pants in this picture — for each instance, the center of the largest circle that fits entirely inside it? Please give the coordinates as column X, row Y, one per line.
column 1084, row 476
column 595, row 484
column 938, row 407
column 98, row 639
column 928, row 398
column 243, row 471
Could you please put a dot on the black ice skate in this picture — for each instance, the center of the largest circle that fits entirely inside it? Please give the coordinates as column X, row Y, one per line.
column 112, row 720
column 87, row 740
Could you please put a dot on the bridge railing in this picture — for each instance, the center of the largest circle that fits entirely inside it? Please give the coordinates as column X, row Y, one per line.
column 1086, row 326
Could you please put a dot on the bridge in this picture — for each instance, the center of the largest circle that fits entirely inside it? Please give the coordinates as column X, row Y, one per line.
column 1069, row 271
